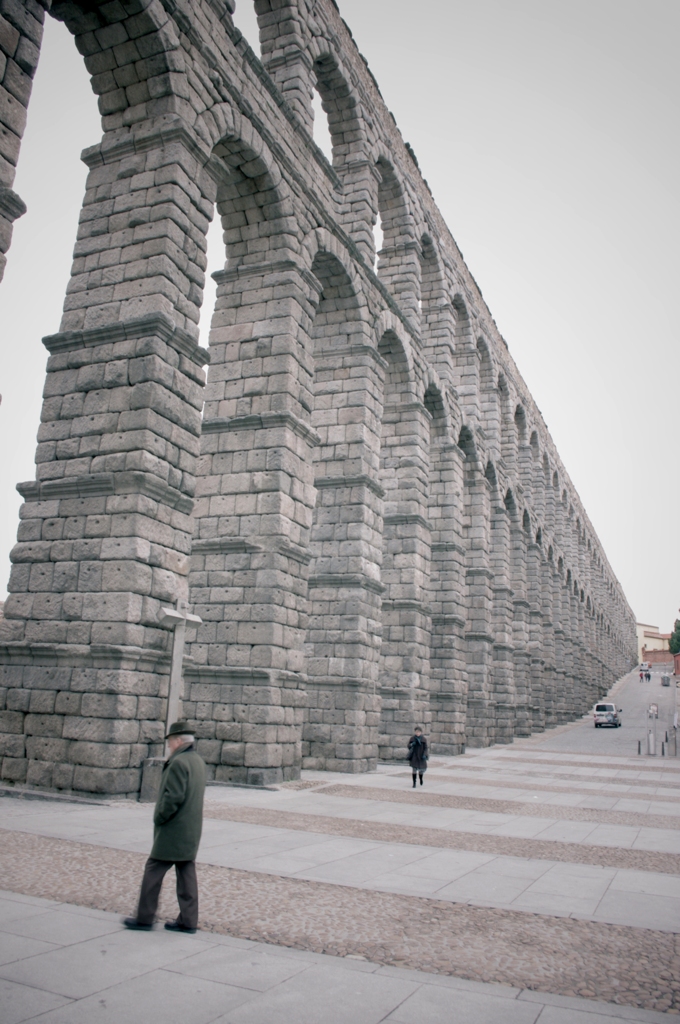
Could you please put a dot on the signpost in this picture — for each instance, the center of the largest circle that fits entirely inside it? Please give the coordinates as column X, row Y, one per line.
column 176, row 618
column 653, row 714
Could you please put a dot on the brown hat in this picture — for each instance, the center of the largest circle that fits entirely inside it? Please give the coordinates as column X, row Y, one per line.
column 179, row 729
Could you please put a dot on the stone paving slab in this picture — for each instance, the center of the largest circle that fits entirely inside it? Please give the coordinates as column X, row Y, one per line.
column 218, row 979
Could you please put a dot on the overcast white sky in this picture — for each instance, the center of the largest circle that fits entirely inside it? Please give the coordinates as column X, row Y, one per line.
column 547, row 130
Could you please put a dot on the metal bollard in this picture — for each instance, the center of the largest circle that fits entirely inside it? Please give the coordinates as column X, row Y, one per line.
column 663, row 749
column 639, row 746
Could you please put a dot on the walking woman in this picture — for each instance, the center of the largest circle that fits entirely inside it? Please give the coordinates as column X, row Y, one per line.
column 417, row 754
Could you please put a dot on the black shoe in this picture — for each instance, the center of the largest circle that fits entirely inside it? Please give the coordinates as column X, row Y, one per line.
column 175, row 926
column 133, row 924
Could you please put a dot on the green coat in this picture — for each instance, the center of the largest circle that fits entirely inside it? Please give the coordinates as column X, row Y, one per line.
column 178, row 817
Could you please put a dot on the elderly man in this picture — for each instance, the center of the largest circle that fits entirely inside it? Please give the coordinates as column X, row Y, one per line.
column 178, row 820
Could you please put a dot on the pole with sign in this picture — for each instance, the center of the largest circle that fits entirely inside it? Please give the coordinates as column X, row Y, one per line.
column 176, row 618
column 652, row 715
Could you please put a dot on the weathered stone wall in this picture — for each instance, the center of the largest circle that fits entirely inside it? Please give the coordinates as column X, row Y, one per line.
column 370, row 516
column 21, row 29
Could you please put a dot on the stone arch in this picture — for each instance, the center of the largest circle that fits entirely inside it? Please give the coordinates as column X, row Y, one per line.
column 488, row 394
column 340, row 104
column 510, row 504
column 436, row 314
column 466, row 360
column 151, row 32
column 392, row 340
column 320, row 244
column 490, row 476
column 399, row 257
column 434, row 403
column 251, row 197
column 466, row 443
column 521, row 424
column 463, row 324
column 508, row 428
column 344, row 573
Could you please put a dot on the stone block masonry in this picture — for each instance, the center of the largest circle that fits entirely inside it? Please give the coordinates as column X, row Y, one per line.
column 362, row 501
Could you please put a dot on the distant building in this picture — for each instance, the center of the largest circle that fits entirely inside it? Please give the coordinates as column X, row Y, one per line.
column 650, row 640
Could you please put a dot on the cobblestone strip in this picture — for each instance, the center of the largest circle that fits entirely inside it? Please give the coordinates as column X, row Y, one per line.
column 484, row 803
column 666, row 764
column 571, row 776
column 641, row 790
column 496, row 806
column 611, row 963
column 509, row 846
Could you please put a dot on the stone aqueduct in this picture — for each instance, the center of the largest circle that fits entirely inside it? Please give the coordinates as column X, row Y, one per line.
column 370, row 515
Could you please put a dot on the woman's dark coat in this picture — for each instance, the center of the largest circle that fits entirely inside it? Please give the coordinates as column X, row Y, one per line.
column 178, row 817
column 417, row 753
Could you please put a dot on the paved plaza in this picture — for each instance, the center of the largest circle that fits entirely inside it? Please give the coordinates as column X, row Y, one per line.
column 533, row 882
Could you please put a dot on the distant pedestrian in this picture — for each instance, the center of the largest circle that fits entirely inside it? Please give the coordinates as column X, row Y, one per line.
column 417, row 754
column 178, row 822
column 642, row 675
column 648, row 676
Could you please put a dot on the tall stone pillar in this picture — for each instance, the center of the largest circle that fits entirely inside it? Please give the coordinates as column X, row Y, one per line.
column 448, row 686
column 520, row 631
column 481, row 710
column 502, row 627
column 406, row 615
column 283, row 41
column 534, row 587
column 106, row 526
column 343, row 639
column 561, row 681
column 250, row 556
column 548, row 643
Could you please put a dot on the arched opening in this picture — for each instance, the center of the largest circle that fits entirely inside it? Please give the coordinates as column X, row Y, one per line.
column 378, row 240
column 436, row 314
column 521, row 424
column 488, row 396
column 508, row 427
column 63, row 120
column 526, row 522
column 245, row 20
column 404, row 477
column 467, row 444
column 322, row 133
column 533, row 441
column 337, row 130
column 435, row 406
column 399, row 257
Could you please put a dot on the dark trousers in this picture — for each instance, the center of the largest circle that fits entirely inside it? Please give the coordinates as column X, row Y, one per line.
column 187, row 891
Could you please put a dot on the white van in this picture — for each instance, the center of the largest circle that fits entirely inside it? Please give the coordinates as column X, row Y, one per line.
column 607, row 714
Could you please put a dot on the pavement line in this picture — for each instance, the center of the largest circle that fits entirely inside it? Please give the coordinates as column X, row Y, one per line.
column 664, row 764
column 611, row 963
column 477, row 842
column 613, row 786
column 634, row 819
column 502, row 770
